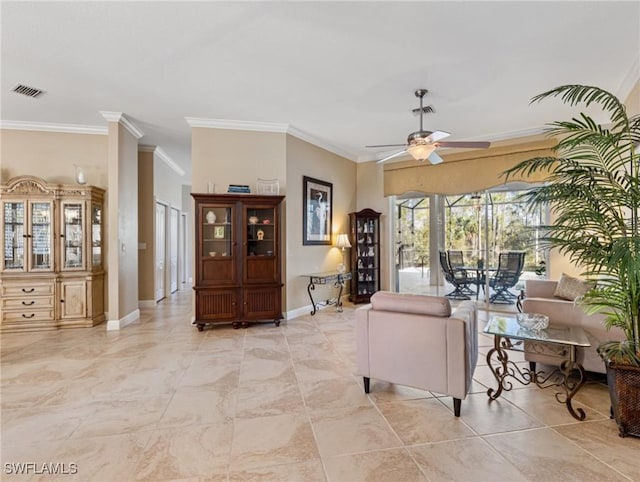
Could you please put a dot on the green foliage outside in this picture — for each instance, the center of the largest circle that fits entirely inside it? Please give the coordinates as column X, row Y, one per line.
column 511, row 228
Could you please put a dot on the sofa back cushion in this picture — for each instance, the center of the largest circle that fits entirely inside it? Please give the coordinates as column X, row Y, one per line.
column 410, row 303
column 570, row 288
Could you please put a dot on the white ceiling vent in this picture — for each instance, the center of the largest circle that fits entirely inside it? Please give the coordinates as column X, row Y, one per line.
column 28, row 91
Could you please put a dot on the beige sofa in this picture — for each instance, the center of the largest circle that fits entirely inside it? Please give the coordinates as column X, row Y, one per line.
column 539, row 298
column 416, row 340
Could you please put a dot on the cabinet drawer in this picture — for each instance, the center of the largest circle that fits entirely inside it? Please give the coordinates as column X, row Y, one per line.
column 27, row 303
column 27, row 289
column 27, row 316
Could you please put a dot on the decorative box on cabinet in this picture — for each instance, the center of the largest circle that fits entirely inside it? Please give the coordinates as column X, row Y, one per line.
column 364, row 227
column 238, row 274
column 51, row 270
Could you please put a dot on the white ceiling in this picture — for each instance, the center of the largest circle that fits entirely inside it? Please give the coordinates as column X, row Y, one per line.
column 341, row 73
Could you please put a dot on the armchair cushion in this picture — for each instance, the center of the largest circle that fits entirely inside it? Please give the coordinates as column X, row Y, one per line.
column 570, row 288
column 409, row 303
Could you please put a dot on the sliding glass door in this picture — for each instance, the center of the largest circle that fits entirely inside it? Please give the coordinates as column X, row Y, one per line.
column 480, row 225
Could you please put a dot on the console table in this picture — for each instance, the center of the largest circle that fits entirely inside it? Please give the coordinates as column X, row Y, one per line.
column 505, row 329
column 327, row 277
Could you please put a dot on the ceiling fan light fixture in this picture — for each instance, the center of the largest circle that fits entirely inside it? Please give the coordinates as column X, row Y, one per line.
column 421, row 152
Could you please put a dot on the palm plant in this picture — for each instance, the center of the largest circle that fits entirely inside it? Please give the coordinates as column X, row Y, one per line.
column 593, row 192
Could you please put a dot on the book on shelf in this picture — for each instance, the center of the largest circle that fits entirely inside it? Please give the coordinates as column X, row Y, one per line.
column 239, row 188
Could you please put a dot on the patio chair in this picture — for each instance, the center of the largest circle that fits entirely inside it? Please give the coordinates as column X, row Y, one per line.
column 510, row 265
column 456, row 261
column 458, row 278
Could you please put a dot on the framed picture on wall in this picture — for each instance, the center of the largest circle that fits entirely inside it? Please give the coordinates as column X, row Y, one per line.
column 317, row 211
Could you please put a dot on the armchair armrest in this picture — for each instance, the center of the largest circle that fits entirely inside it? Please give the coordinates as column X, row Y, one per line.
column 540, row 288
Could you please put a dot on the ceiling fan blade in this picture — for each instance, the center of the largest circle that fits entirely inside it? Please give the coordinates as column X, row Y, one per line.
column 384, row 159
column 434, row 158
column 388, row 145
column 476, row 144
column 435, row 136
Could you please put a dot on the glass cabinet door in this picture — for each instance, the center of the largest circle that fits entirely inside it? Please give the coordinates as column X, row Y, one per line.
column 40, row 236
column 72, row 235
column 96, row 235
column 217, row 232
column 261, row 234
column 14, row 235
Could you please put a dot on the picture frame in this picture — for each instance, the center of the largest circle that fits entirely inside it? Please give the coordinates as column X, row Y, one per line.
column 218, row 232
column 317, row 211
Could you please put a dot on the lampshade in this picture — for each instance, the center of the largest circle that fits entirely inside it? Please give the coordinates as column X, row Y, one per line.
column 420, row 152
column 343, row 241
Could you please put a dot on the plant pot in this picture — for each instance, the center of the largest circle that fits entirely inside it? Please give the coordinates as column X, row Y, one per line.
column 624, row 390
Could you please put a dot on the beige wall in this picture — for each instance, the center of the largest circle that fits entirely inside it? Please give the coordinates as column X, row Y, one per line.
column 225, row 156
column 241, row 157
column 123, row 216
column 146, row 221
column 52, row 155
column 370, row 190
column 304, row 159
column 633, row 100
column 167, row 184
column 167, row 189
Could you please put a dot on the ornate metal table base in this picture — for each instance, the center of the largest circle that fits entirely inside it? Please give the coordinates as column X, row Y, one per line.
column 338, row 280
column 570, row 376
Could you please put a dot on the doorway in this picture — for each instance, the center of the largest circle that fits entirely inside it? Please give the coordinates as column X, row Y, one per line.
column 173, row 249
column 160, row 250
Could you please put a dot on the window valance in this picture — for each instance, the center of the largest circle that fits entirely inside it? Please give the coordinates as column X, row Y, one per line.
column 464, row 172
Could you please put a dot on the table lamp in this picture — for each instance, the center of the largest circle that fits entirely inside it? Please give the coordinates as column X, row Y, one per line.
column 342, row 242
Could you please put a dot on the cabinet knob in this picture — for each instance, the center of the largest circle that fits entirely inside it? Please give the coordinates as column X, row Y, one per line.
column 61, row 301
column 28, row 316
column 28, row 304
column 31, row 290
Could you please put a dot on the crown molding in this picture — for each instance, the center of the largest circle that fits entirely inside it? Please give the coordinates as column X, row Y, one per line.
column 502, row 136
column 122, row 119
column 237, row 125
column 49, row 127
column 630, row 80
column 168, row 161
column 268, row 127
column 304, row 136
column 158, row 151
column 146, row 148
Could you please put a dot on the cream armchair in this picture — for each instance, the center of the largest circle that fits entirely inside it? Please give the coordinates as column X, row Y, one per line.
column 416, row 340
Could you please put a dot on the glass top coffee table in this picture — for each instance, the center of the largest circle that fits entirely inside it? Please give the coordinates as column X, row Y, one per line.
column 509, row 335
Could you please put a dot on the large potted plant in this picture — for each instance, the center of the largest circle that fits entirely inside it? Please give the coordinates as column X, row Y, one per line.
column 593, row 192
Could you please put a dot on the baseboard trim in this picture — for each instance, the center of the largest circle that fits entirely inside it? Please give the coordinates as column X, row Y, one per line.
column 304, row 310
column 124, row 321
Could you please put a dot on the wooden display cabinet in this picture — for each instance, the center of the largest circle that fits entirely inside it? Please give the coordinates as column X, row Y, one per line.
column 364, row 231
column 51, row 270
column 238, row 259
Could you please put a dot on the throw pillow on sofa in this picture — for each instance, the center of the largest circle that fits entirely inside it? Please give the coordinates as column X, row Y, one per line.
column 570, row 288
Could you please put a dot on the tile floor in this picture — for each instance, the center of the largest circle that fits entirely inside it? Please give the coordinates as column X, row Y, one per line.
column 159, row 400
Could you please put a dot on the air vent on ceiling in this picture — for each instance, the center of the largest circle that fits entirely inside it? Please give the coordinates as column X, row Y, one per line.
column 28, row 91
column 427, row 109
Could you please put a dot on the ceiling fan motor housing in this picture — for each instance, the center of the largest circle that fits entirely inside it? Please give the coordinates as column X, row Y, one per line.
column 419, row 137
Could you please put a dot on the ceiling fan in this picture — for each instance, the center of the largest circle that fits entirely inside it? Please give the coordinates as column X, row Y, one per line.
column 422, row 144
